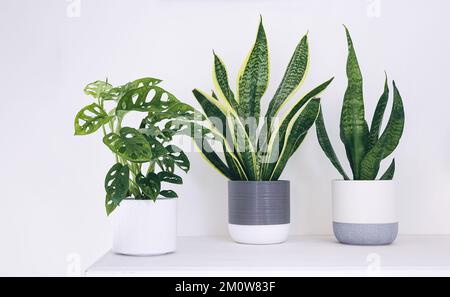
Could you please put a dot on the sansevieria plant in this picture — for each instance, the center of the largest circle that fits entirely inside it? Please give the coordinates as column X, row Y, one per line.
column 256, row 149
column 365, row 147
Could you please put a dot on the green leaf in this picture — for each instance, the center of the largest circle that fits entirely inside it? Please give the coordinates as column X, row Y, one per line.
column 295, row 134
column 378, row 117
column 354, row 129
column 325, row 143
column 236, row 171
column 212, row 158
column 154, row 132
column 166, row 164
column 201, row 136
column 220, row 77
column 97, row 89
column 243, row 147
column 90, row 119
column 135, row 190
column 292, row 80
column 388, row 141
column 277, row 138
column 211, row 109
column 218, row 119
column 129, row 144
column 117, row 92
column 253, row 77
column 169, row 194
column 169, row 177
column 150, row 185
column 179, row 157
column 159, row 103
column 117, row 183
column 389, row 174
column 160, row 154
column 110, row 206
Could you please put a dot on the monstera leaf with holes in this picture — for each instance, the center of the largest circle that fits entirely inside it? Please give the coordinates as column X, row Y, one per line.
column 116, row 186
column 116, row 93
column 145, row 157
column 130, row 145
column 226, row 132
column 365, row 147
column 91, row 118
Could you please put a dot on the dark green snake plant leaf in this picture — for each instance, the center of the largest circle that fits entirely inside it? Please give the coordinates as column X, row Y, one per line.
column 389, row 174
column 253, row 77
column 279, row 134
column 211, row 109
column 354, row 128
column 246, row 152
column 98, row 89
column 292, row 81
column 325, row 143
column 169, row 177
column 212, row 158
column 91, row 118
column 201, row 137
column 130, row 145
column 388, row 141
column 365, row 149
column 243, row 146
column 150, row 185
column 117, row 183
column 378, row 116
column 295, row 133
column 169, row 194
column 216, row 112
column 218, row 119
column 220, row 77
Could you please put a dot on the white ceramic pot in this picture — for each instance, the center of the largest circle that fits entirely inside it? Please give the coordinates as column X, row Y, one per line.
column 259, row 234
column 364, row 212
column 144, row 227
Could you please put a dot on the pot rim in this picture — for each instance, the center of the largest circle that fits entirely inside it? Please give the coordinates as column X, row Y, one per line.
column 362, row 181
column 148, row 200
column 259, row 181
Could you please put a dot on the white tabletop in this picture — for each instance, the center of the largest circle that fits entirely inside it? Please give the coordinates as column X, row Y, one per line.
column 299, row 256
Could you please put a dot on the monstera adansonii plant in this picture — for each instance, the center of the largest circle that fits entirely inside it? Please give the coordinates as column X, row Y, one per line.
column 365, row 147
column 229, row 132
column 144, row 157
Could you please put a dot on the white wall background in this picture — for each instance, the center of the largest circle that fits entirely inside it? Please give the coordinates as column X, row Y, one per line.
column 51, row 182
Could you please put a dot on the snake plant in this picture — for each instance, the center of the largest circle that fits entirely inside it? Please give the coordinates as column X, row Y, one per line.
column 231, row 135
column 365, row 147
column 144, row 156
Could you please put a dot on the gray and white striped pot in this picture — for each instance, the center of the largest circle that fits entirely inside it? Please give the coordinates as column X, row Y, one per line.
column 259, row 211
column 364, row 212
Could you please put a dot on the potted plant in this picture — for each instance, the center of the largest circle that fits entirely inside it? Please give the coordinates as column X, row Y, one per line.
column 364, row 209
column 145, row 222
column 250, row 152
